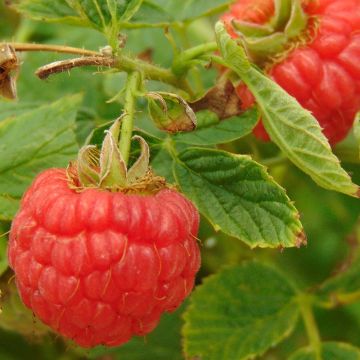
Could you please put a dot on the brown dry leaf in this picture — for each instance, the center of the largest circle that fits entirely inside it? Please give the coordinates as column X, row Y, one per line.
column 220, row 99
column 9, row 67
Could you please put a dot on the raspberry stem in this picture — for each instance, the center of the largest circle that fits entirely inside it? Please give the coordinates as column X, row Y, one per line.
column 53, row 48
column 132, row 86
column 305, row 302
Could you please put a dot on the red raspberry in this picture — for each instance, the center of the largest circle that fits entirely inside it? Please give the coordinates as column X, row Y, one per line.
column 97, row 266
column 324, row 74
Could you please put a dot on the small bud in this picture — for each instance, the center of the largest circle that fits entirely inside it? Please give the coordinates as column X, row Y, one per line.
column 170, row 112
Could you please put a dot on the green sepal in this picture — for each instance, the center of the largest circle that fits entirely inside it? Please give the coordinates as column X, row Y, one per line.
column 282, row 13
column 265, row 40
column 141, row 165
column 264, row 46
column 113, row 170
column 252, row 29
column 297, row 21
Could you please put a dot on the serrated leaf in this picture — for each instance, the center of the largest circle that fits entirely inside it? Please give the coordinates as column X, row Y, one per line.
column 222, row 132
column 34, row 141
column 102, row 15
column 239, row 313
column 291, row 127
column 238, row 197
column 164, row 343
column 330, row 351
column 49, row 10
column 157, row 11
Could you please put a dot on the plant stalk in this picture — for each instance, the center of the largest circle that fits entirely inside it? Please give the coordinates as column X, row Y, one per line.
column 53, row 48
column 121, row 62
column 127, row 125
column 305, row 302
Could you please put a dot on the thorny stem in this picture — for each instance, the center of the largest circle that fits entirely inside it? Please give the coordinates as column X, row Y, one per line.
column 132, row 86
column 53, row 48
column 121, row 62
column 305, row 302
column 64, row 65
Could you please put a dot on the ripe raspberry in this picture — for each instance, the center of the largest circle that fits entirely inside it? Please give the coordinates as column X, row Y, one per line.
column 99, row 266
column 324, row 73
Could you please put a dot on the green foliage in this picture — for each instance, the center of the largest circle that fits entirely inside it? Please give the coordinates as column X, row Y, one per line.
column 345, row 286
column 292, row 128
column 238, row 197
column 162, row 11
column 98, row 14
column 330, row 351
column 33, row 141
column 357, row 130
column 220, row 132
column 234, row 309
column 3, row 247
column 162, row 344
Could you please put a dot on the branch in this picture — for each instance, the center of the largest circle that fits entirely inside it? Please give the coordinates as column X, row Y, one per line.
column 53, row 48
column 64, row 65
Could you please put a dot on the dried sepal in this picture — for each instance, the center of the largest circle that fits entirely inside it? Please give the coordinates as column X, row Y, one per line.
column 9, row 67
column 87, row 166
column 220, row 99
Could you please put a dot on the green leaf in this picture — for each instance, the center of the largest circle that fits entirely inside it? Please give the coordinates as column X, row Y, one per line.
column 330, row 351
column 49, row 10
column 102, row 15
column 164, row 343
column 357, row 129
column 238, row 197
column 162, row 164
column 36, row 140
column 3, row 248
column 130, row 9
column 157, row 11
column 222, row 132
column 344, row 287
column 291, row 127
column 239, row 313
column 13, row 109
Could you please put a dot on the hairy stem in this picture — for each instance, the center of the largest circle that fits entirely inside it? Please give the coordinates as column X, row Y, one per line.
column 64, row 65
column 305, row 302
column 121, row 62
column 132, row 86
column 183, row 61
column 53, row 48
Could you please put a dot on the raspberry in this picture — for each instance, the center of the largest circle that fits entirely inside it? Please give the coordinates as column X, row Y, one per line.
column 98, row 266
column 323, row 73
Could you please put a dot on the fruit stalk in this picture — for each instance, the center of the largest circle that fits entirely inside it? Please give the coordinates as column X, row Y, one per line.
column 132, row 85
column 310, row 324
